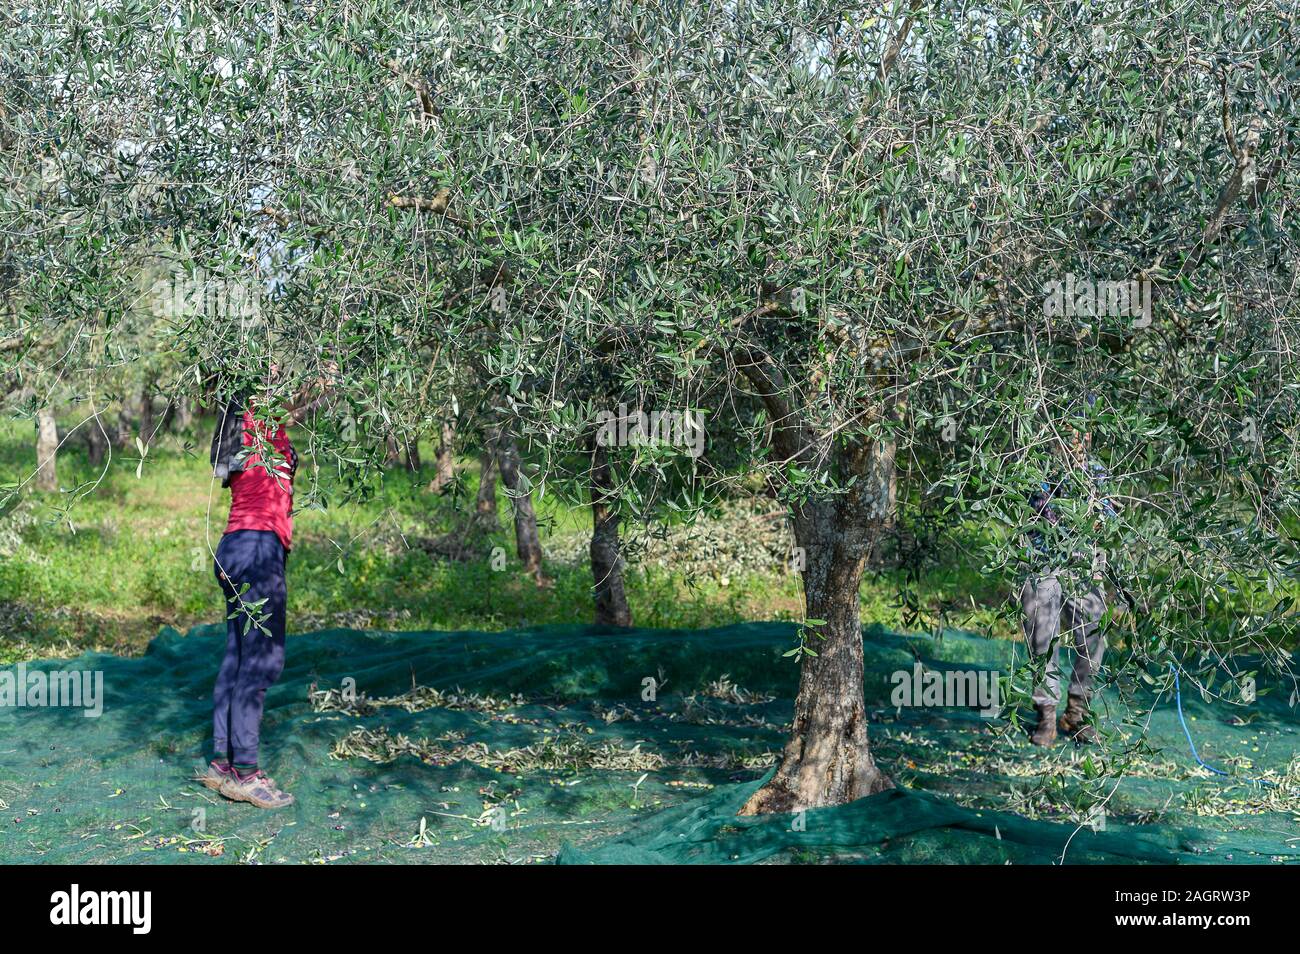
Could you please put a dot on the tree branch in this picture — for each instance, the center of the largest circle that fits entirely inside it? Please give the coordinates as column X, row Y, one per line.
column 897, row 40
column 789, row 432
column 435, row 204
column 428, row 110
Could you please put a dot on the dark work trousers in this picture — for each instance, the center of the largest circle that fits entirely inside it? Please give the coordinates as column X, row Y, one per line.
column 254, row 659
column 1052, row 616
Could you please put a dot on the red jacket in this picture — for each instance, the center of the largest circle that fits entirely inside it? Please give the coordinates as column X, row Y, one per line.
column 261, row 495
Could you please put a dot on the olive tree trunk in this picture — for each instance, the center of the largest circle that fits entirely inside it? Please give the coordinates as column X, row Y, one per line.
column 180, row 415
column 147, row 422
column 485, row 506
column 827, row 760
column 606, row 554
column 527, row 541
column 97, row 442
column 444, row 463
column 124, row 426
column 47, row 447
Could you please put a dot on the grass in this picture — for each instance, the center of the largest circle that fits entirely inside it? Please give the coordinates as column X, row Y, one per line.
column 110, row 559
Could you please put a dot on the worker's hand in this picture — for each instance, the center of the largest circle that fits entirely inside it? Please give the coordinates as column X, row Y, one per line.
column 328, row 380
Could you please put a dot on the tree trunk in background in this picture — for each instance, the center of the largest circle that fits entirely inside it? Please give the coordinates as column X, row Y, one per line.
column 97, row 441
column 146, row 413
column 527, row 542
column 392, row 453
column 123, row 436
column 444, row 466
column 47, row 446
column 413, row 455
column 828, row 760
column 485, row 507
column 181, row 414
column 885, row 543
column 606, row 555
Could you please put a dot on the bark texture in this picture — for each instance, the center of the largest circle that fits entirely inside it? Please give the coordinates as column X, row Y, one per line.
column 97, row 442
column 147, row 422
column 485, row 505
column 527, row 541
column 444, row 463
column 47, row 446
column 827, row 760
column 125, row 426
column 606, row 554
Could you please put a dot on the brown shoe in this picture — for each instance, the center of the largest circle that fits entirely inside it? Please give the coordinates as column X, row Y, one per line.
column 1074, row 722
column 214, row 777
column 257, row 789
column 1045, row 733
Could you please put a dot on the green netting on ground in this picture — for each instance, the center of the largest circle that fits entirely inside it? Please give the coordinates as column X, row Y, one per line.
column 537, row 744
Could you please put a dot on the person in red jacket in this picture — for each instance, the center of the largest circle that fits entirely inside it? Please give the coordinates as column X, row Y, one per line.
column 250, row 567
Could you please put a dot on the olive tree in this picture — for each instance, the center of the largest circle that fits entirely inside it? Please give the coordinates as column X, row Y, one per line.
column 844, row 219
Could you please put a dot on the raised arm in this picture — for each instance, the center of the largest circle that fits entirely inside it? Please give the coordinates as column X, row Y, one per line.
column 313, row 396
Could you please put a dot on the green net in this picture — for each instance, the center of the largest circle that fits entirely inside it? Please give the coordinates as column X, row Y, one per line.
column 543, row 744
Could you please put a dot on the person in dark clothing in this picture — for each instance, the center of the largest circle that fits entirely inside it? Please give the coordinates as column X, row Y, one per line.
column 1058, row 602
column 256, row 460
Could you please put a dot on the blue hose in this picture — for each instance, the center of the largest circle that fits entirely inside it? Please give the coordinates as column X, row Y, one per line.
column 1178, row 698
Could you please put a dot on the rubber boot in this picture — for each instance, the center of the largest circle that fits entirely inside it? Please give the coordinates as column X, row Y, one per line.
column 1045, row 733
column 1074, row 722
